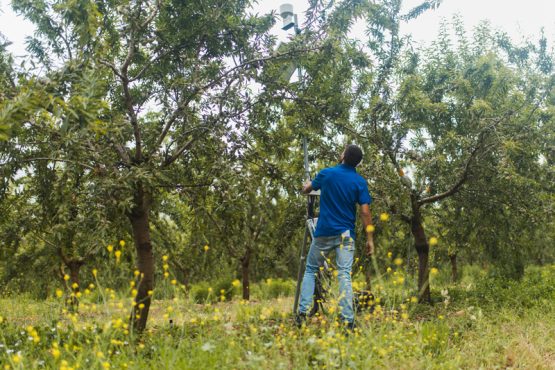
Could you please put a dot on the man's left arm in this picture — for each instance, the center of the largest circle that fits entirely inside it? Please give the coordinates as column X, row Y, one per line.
column 366, row 216
column 364, row 199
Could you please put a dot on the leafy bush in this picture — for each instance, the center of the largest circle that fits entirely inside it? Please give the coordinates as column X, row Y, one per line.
column 220, row 291
column 537, row 285
column 274, row 288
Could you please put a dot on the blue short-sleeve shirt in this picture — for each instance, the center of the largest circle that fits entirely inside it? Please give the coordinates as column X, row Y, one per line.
column 341, row 188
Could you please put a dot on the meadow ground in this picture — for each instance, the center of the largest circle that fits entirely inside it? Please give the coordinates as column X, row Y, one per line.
column 477, row 323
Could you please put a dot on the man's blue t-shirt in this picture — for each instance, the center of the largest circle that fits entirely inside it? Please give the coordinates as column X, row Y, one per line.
column 341, row 188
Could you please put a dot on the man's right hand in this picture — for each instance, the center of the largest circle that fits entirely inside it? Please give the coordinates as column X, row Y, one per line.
column 307, row 187
column 370, row 247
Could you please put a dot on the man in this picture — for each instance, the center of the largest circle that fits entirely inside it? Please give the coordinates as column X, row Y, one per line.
column 341, row 188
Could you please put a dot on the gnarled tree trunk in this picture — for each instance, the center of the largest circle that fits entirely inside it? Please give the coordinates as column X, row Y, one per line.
column 139, row 218
column 74, row 267
column 245, row 266
column 423, row 250
column 454, row 267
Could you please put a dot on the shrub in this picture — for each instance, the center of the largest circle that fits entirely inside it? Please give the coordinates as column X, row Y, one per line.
column 222, row 290
column 274, row 288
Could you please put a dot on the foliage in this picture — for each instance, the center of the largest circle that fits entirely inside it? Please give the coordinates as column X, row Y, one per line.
column 275, row 288
column 221, row 291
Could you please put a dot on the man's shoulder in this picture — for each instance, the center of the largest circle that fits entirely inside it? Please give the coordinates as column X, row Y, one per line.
column 360, row 179
column 328, row 169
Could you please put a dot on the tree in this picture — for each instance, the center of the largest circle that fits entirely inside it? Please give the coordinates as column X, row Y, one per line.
column 446, row 115
column 177, row 77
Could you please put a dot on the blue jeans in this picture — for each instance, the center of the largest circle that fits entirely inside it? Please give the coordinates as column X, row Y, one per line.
column 344, row 249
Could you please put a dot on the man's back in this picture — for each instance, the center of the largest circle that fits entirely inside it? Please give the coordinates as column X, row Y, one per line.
column 341, row 189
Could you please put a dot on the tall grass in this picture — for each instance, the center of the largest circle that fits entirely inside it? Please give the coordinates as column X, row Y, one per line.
column 486, row 323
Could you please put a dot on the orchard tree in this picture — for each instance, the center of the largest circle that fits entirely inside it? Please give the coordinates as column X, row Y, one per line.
column 447, row 115
column 172, row 78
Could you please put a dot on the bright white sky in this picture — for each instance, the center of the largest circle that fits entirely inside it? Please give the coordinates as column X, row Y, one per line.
column 517, row 17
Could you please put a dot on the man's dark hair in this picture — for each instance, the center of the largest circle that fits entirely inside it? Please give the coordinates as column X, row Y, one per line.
column 353, row 155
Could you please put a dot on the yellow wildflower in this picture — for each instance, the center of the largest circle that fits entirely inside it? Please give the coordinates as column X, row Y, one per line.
column 398, row 261
column 94, row 272
column 370, row 228
column 434, row 271
column 66, row 277
column 165, row 258
column 110, row 248
column 433, row 241
column 59, row 293
column 55, row 352
column 122, row 243
column 236, row 283
column 206, row 248
column 384, row 217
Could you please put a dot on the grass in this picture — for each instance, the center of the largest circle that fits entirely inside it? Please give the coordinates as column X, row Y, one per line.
column 486, row 324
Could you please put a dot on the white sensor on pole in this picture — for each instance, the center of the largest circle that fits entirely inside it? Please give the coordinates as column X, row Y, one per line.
column 286, row 12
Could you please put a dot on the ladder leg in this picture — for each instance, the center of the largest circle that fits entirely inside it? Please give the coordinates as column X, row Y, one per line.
column 301, row 270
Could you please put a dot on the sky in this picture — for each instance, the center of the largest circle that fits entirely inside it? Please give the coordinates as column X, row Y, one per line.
column 520, row 19
column 516, row 17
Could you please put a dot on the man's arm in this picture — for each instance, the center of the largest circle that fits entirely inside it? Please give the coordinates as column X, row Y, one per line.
column 307, row 187
column 366, row 216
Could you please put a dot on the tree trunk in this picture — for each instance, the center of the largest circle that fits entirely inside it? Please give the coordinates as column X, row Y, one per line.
column 245, row 265
column 139, row 218
column 454, row 267
column 423, row 249
column 74, row 267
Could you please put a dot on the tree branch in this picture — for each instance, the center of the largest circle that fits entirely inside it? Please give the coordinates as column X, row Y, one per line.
column 464, row 176
column 179, row 151
column 186, row 100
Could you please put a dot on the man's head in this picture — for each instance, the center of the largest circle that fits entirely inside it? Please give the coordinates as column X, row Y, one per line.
column 352, row 155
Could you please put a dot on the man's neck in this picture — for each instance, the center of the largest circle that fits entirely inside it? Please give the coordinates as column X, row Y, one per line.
column 347, row 165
